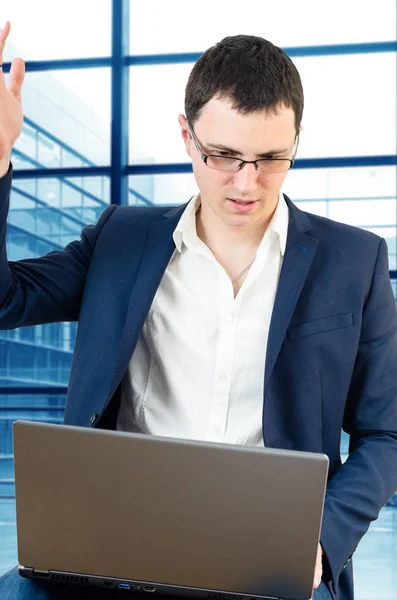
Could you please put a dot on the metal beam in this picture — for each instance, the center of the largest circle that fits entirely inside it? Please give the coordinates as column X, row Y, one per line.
column 191, row 57
column 51, row 390
column 34, row 66
column 293, row 52
column 44, row 173
column 120, row 102
column 300, row 163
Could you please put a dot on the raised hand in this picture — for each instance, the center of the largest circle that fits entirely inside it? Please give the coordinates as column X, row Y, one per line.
column 11, row 114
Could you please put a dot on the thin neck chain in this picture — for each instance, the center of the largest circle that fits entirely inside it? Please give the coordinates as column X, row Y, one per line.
column 235, row 279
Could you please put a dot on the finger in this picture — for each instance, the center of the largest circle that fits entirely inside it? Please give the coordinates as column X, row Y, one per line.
column 318, row 569
column 3, row 36
column 16, row 77
column 317, row 576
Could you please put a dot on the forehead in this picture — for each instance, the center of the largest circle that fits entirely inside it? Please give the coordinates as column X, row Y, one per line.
column 255, row 132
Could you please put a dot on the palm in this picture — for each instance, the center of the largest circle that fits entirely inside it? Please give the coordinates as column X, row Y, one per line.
column 11, row 114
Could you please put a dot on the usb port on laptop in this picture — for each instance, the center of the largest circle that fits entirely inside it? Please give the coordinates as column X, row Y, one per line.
column 124, row 586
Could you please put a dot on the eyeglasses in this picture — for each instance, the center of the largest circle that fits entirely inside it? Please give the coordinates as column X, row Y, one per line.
column 231, row 164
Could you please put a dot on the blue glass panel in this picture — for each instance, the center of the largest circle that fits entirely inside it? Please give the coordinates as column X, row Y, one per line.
column 30, row 407
column 66, row 119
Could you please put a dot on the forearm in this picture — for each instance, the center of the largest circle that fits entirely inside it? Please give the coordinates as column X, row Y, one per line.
column 45, row 289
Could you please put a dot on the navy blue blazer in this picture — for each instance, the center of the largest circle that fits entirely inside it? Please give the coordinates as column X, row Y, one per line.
column 331, row 356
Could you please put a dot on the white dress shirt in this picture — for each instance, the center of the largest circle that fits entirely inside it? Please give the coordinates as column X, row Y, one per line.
column 198, row 369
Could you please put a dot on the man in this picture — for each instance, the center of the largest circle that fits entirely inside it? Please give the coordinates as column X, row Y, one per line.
column 235, row 318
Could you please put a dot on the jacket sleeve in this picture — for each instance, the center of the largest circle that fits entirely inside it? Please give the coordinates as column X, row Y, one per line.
column 45, row 289
column 364, row 483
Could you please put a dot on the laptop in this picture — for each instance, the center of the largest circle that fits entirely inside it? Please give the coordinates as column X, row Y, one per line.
column 166, row 516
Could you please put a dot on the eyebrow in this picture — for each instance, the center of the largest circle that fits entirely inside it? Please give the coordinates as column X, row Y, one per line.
column 238, row 153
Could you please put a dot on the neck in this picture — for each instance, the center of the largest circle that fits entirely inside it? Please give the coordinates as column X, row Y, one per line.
column 225, row 240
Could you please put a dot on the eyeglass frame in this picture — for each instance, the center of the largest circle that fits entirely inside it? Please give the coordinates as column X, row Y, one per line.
column 242, row 164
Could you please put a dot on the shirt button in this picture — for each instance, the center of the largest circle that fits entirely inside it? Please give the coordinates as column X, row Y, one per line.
column 223, row 375
column 93, row 418
column 217, row 429
column 229, row 319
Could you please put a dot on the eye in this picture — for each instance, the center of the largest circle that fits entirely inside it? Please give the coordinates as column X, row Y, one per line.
column 273, row 157
column 223, row 154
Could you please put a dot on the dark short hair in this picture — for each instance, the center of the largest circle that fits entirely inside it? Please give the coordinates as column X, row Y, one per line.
column 249, row 71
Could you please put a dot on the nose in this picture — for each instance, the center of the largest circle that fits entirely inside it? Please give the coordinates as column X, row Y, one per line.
column 246, row 180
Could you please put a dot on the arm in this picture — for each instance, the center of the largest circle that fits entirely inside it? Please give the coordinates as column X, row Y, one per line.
column 46, row 289
column 364, row 483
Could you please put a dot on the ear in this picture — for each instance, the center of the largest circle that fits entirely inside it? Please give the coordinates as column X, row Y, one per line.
column 185, row 133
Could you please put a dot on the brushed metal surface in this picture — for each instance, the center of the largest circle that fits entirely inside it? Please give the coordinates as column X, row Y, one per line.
column 214, row 516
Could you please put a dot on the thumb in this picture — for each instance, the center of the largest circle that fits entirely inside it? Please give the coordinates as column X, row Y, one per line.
column 16, row 77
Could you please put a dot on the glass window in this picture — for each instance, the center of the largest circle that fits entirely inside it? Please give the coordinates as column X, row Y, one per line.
column 48, row 30
column 394, row 286
column 154, row 128
column 350, row 108
column 161, row 190
column 375, row 572
column 33, row 407
column 47, row 214
column 8, row 547
column 287, row 23
column 364, row 197
column 67, row 120
column 350, row 105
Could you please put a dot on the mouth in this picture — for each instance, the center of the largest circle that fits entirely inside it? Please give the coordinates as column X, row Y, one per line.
column 242, row 205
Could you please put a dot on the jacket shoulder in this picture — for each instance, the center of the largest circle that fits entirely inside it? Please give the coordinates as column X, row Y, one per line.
column 123, row 218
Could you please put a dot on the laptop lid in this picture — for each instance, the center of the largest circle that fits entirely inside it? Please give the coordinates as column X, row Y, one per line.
column 174, row 515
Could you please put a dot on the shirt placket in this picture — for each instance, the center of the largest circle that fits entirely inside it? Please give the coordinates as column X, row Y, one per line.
column 224, row 358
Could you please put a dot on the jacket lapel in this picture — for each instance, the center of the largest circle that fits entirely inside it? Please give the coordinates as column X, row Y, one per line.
column 298, row 257
column 156, row 255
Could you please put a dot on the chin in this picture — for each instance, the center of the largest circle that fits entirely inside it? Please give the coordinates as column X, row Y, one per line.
column 239, row 220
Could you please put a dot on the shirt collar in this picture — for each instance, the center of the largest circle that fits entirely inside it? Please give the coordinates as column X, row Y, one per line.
column 279, row 223
column 185, row 231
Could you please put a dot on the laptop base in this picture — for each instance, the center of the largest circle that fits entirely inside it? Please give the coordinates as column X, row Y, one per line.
column 140, row 587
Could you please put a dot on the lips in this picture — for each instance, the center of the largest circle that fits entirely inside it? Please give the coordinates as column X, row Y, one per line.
column 241, row 201
column 242, row 205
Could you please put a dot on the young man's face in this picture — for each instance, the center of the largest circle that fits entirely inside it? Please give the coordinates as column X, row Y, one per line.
column 251, row 136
